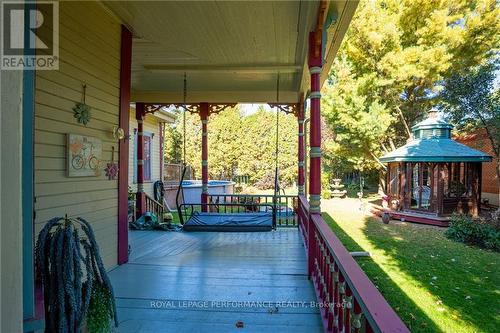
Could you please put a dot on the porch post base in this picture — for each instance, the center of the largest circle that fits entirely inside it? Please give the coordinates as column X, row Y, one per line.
column 140, row 204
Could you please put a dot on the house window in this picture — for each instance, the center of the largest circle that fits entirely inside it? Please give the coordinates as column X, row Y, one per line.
column 147, row 157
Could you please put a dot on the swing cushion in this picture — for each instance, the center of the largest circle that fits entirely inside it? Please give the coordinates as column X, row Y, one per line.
column 255, row 221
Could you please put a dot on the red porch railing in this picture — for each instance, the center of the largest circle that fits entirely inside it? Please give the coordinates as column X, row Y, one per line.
column 349, row 301
column 155, row 207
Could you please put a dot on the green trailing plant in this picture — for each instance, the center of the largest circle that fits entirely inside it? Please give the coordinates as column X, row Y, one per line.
column 71, row 271
column 131, row 194
column 466, row 230
column 100, row 309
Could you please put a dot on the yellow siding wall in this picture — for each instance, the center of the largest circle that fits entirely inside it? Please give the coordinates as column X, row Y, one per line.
column 151, row 125
column 90, row 54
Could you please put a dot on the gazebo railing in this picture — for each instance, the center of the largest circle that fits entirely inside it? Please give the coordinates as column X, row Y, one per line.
column 348, row 300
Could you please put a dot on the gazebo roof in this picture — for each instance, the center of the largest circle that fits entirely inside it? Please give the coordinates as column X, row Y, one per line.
column 432, row 143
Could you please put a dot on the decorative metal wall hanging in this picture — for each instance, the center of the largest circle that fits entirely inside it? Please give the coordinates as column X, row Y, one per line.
column 82, row 110
column 112, row 168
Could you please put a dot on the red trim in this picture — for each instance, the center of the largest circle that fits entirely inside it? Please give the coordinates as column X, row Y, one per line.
column 162, row 147
column 204, row 112
column 125, row 77
column 140, row 201
column 301, row 155
column 315, row 132
column 326, row 247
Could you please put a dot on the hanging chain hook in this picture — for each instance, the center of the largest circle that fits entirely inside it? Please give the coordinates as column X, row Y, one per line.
column 184, row 120
column 84, row 92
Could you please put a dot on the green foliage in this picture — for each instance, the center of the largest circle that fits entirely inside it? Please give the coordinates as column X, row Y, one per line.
column 99, row 314
column 466, row 230
column 130, row 194
column 391, row 67
column 326, row 194
column 240, row 144
column 434, row 284
column 173, row 138
column 472, row 101
column 352, row 189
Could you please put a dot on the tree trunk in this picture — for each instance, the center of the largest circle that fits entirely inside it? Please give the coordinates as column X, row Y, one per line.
column 378, row 161
column 384, row 147
column 404, row 122
column 393, row 146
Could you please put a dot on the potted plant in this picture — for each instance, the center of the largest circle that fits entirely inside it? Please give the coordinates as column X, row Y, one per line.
column 77, row 290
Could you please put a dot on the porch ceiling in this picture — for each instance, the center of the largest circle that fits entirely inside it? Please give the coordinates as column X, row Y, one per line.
column 231, row 51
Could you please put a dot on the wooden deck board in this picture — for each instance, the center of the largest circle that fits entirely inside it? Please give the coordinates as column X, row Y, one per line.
column 180, row 282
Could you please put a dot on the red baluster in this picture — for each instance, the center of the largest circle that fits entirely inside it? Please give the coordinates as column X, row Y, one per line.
column 341, row 302
column 310, row 248
column 356, row 316
column 336, row 299
column 330, row 289
column 348, row 309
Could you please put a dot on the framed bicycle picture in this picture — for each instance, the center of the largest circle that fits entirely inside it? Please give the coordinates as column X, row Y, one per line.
column 84, row 156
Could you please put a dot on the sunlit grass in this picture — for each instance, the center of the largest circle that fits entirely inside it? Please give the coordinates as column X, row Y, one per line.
column 434, row 284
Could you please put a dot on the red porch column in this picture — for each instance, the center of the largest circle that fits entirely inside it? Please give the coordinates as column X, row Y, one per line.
column 301, row 178
column 204, row 112
column 162, row 147
column 125, row 75
column 141, row 196
column 315, row 63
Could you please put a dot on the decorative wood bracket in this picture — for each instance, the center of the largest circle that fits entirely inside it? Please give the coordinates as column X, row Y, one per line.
column 191, row 108
column 288, row 108
column 152, row 108
column 217, row 108
column 213, row 108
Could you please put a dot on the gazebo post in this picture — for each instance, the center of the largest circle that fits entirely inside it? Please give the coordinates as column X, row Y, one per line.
column 300, row 119
column 140, row 196
column 315, row 63
column 476, row 188
column 204, row 113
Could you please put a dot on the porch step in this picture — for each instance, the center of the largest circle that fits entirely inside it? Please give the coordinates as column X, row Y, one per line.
column 411, row 216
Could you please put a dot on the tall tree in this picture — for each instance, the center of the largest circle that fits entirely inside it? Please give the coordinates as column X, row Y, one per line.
column 393, row 61
column 238, row 144
column 173, row 140
column 472, row 101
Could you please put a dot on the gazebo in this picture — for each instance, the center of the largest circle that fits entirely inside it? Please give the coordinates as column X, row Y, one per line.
column 433, row 176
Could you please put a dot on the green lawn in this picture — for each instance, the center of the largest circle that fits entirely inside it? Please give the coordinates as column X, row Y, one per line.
column 434, row 284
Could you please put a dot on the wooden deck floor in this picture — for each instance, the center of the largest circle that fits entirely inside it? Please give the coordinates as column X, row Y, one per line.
column 207, row 282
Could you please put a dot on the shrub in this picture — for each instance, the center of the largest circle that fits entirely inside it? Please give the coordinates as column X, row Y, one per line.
column 466, row 230
column 326, row 194
column 266, row 183
column 353, row 189
column 494, row 219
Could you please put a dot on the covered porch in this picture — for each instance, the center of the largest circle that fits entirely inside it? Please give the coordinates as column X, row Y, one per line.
column 213, row 282
column 275, row 52
column 296, row 280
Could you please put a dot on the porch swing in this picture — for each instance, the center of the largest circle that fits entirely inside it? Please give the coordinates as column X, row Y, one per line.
column 237, row 216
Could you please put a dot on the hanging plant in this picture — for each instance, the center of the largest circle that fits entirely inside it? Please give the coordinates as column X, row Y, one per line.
column 81, row 110
column 70, row 295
